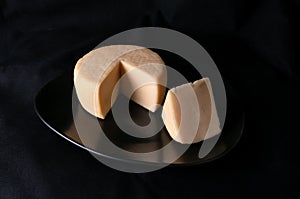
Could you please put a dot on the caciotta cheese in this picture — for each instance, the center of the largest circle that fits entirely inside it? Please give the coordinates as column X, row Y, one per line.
column 96, row 74
column 180, row 111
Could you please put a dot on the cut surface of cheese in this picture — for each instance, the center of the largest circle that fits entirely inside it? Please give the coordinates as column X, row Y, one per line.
column 96, row 75
column 179, row 113
column 145, row 84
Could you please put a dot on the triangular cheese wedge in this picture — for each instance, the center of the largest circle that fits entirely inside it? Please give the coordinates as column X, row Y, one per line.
column 191, row 117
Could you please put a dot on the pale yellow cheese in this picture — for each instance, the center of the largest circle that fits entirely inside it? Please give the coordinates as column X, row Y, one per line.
column 96, row 74
column 182, row 115
column 148, row 80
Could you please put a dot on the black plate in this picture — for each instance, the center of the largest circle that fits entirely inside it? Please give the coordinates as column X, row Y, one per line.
column 53, row 104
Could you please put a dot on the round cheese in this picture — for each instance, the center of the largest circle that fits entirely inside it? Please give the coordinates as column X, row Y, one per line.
column 96, row 74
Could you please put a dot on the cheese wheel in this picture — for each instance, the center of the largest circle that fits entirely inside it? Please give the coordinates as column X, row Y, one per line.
column 178, row 108
column 96, row 74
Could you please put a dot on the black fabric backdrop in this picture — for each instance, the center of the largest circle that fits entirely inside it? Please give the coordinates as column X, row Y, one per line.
column 254, row 44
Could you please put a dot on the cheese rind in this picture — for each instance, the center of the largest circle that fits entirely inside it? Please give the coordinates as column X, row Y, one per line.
column 179, row 109
column 96, row 74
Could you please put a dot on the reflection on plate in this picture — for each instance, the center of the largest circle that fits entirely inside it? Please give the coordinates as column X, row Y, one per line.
column 53, row 104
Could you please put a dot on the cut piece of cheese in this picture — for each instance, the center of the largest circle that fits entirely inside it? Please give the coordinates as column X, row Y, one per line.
column 189, row 121
column 96, row 75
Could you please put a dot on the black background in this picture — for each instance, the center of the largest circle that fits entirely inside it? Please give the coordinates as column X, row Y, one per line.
column 254, row 44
